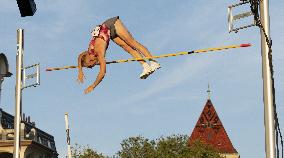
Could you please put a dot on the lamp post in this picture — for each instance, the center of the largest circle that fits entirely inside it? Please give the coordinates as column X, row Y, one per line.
column 21, row 78
column 18, row 92
column 267, row 82
column 26, row 7
column 269, row 120
column 4, row 70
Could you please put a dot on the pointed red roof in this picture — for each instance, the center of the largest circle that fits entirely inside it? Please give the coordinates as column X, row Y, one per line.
column 209, row 130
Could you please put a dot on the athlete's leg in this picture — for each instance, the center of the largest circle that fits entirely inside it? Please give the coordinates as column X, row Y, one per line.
column 128, row 49
column 146, row 68
column 125, row 35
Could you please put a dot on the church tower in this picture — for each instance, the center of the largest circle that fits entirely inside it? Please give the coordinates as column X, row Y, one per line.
column 210, row 130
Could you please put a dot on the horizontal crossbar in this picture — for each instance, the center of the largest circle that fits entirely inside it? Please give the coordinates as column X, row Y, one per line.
column 161, row 56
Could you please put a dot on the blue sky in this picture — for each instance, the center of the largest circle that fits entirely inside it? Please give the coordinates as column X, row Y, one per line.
column 170, row 100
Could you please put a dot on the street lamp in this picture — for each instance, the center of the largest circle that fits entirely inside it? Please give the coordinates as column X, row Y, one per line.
column 27, row 7
column 4, row 70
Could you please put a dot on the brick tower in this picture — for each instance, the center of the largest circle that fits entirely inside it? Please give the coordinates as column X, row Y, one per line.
column 210, row 130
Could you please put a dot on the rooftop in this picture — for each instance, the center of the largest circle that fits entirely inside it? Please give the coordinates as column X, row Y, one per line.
column 210, row 130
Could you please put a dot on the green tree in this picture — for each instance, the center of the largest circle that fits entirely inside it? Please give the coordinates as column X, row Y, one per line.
column 200, row 150
column 137, row 147
column 175, row 146
column 85, row 152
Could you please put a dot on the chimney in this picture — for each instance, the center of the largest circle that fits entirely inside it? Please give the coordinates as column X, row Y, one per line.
column 24, row 118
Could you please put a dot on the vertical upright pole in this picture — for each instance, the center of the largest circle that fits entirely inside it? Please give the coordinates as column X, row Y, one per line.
column 68, row 136
column 18, row 92
column 1, row 80
column 267, row 83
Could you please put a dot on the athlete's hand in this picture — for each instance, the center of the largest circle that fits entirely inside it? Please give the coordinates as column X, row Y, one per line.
column 89, row 89
column 81, row 77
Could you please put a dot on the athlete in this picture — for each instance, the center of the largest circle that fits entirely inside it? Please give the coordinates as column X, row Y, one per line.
column 113, row 29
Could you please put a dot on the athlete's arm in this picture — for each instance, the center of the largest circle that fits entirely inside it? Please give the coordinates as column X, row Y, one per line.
column 80, row 70
column 101, row 74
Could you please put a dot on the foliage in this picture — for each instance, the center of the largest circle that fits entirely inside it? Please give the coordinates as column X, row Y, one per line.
column 175, row 146
column 137, row 147
column 200, row 150
column 85, row 152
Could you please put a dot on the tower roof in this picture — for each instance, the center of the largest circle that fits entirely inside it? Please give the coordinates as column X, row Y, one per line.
column 210, row 130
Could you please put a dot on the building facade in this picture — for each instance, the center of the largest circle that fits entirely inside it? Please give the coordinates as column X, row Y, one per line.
column 35, row 143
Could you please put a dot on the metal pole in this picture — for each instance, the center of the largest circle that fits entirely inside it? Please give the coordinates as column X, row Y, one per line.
column 18, row 92
column 1, row 80
column 68, row 136
column 267, row 83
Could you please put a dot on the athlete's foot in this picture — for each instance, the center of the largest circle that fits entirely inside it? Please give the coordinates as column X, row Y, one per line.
column 146, row 71
column 154, row 66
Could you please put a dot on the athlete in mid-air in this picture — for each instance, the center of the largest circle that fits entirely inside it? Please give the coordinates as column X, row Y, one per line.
column 113, row 29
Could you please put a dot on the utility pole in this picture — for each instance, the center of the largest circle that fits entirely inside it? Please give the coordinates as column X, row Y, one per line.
column 267, row 82
column 21, row 78
column 17, row 118
column 1, row 80
column 269, row 120
column 68, row 135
